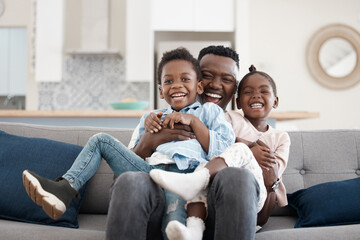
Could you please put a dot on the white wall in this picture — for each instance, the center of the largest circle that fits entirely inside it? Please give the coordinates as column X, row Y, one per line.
column 279, row 33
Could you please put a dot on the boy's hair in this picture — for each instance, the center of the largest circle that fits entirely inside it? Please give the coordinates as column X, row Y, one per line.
column 253, row 71
column 220, row 51
column 178, row 54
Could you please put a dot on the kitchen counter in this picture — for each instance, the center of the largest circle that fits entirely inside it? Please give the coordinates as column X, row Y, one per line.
column 111, row 118
column 73, row 113
column 279, row 116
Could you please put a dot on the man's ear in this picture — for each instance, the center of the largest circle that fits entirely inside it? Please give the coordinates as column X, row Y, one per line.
column 276, row 102
column 200, row 88
column 161, row 92
column 238, row 105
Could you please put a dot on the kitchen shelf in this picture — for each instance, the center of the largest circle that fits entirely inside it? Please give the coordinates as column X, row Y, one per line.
column 107, row 52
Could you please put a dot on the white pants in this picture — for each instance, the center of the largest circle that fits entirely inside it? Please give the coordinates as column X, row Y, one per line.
column 238, row 155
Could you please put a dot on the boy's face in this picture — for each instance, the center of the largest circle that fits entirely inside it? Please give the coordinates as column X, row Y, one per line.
column 219, row 79
column 257, row 97
column 179, row 84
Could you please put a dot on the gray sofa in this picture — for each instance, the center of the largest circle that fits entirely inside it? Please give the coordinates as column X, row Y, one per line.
column 315, row 157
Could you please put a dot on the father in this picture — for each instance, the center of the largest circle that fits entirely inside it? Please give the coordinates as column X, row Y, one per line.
column 137, row 203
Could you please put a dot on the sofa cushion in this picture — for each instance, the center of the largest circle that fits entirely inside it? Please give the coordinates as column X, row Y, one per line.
column 327, row 204
column 47, row 158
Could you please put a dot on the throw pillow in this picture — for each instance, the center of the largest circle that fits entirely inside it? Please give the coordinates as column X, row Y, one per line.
column 327, row 204
column 47, row 158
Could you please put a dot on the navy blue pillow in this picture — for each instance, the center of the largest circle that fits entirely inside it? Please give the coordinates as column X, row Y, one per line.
column 47, row 158
column 327, row 204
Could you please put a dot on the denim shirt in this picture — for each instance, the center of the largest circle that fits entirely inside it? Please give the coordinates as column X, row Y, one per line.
column 189, row 154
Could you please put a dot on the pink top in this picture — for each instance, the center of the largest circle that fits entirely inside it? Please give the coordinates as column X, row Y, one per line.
column 278, row 142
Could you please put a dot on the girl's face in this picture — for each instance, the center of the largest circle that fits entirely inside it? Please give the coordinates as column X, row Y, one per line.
column 179, row 85
column 256, row 97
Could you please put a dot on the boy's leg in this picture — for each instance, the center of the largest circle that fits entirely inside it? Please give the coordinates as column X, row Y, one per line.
column 55, row 196
column 117, row 155
column 195, row 226
column 174, row 211
column 175, row 205
column 136, row 208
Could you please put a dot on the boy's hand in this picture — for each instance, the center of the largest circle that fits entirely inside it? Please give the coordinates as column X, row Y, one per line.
column 153, row 122
column 176, row 117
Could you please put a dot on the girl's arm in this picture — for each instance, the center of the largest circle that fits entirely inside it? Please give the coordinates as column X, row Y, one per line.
column 272, row 174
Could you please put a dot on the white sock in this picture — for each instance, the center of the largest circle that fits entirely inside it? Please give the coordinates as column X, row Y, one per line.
column 186, row 185
column 192, row 231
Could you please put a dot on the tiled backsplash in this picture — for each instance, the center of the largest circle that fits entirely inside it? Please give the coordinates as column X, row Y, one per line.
column 90, row 82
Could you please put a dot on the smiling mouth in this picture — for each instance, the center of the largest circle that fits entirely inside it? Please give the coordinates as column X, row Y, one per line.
column 213, row 97
column 178, row 95
column 256, row 105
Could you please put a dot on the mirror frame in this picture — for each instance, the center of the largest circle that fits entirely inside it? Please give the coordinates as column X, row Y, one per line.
column 312, row 56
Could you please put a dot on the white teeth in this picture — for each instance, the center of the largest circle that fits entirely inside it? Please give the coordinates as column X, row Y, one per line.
column 213, row 95
column 178, row 95
column 256, row 105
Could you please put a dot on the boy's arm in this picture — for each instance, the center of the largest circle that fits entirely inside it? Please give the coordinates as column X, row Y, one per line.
column 148, row 143
column 200, row 130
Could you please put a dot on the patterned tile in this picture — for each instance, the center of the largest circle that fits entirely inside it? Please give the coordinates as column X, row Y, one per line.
column 90, row 83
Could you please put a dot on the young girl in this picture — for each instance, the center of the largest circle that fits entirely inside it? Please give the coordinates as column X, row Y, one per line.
column 256, row 97
column 179, row 79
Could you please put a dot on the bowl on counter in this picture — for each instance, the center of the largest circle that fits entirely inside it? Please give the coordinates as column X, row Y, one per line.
column 139, row 105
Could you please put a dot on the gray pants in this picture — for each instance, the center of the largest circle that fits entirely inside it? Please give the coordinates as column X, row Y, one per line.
column 137, row 205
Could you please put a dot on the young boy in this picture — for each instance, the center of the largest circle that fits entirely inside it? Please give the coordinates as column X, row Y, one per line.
column 256, row 97
column 179, row 78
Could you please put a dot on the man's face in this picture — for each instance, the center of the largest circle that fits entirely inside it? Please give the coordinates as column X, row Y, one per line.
column 219, row 79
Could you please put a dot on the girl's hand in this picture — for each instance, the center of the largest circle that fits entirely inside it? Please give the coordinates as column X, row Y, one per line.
column 153, row 122
column 264, row 156
column 176, row 117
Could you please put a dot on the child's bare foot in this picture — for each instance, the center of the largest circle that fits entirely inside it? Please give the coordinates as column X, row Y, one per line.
column 52, row 196
column 186, row 185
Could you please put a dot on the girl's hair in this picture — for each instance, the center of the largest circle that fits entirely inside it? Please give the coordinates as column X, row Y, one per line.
column 178, row 54
column 220, row 51
column 253, row 71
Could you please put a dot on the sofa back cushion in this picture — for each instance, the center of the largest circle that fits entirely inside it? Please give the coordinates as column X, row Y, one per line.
column 322, row 156
column 318, row 157
column 96, row 199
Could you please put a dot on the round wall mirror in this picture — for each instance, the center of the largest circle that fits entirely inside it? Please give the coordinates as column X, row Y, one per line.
column 333, row 56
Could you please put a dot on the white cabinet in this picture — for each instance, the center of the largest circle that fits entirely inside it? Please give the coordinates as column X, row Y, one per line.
column 139, row 42
column 13, row 45
column 193, row 15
